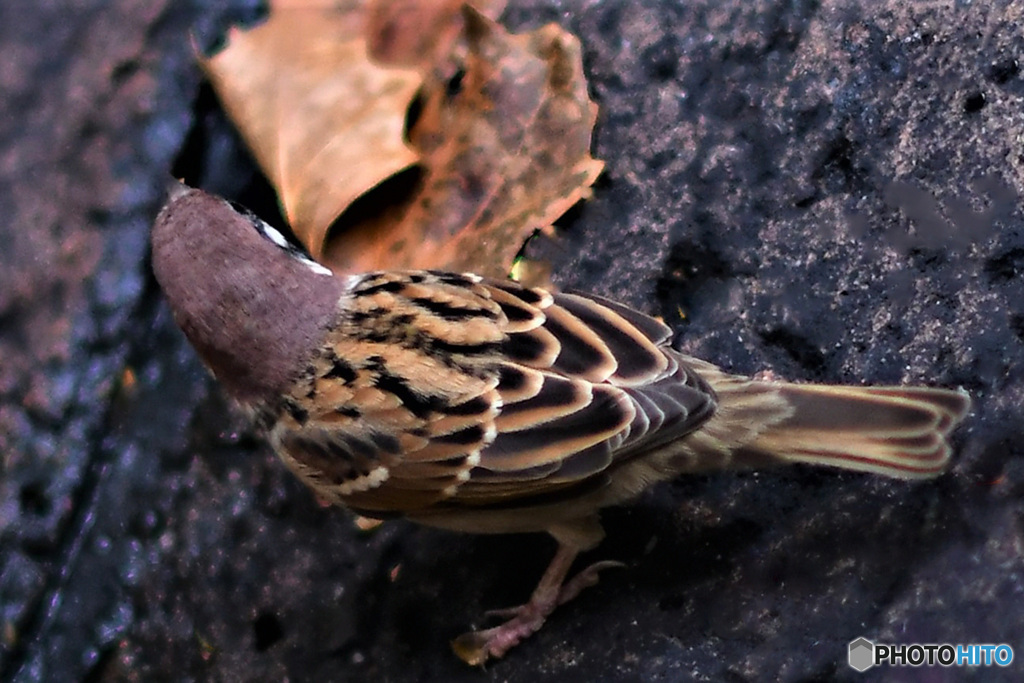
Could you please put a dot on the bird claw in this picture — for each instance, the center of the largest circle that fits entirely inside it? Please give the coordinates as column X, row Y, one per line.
column 522, row 621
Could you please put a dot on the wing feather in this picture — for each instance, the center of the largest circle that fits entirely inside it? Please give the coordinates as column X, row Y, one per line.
column 637, row 357
column 552, row 440
column 581, row 352
column 557, row 397
column 437, row 388
column 656, row 331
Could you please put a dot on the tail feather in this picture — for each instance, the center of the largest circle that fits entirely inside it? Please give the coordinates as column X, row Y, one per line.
column 894, row 431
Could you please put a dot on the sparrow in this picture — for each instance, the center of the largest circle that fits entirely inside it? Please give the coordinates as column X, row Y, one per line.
column 481, row 405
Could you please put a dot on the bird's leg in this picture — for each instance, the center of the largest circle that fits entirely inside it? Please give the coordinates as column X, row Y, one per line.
column 476, row 647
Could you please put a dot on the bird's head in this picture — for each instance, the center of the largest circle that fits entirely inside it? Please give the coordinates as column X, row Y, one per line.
column 254, row 306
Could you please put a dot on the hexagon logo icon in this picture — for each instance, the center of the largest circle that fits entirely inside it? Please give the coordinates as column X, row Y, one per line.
column 862, row 654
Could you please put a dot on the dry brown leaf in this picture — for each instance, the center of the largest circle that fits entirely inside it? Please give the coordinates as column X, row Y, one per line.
column 505, row 156
column 321, row 91
column 420, row 33
column 324, row 121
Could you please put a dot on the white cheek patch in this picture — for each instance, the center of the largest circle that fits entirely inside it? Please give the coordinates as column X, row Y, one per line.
column 318, row 268
column 275, row 236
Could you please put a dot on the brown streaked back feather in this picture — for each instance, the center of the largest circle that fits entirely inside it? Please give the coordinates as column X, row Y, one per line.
column 492, row 391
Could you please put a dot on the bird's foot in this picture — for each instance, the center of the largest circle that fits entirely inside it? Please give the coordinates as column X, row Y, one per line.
column 476, row 647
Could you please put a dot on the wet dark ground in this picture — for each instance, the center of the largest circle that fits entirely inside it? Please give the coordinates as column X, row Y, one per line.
column 808, row 187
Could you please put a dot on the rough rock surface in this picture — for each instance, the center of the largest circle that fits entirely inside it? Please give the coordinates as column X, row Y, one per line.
column 814, row 188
